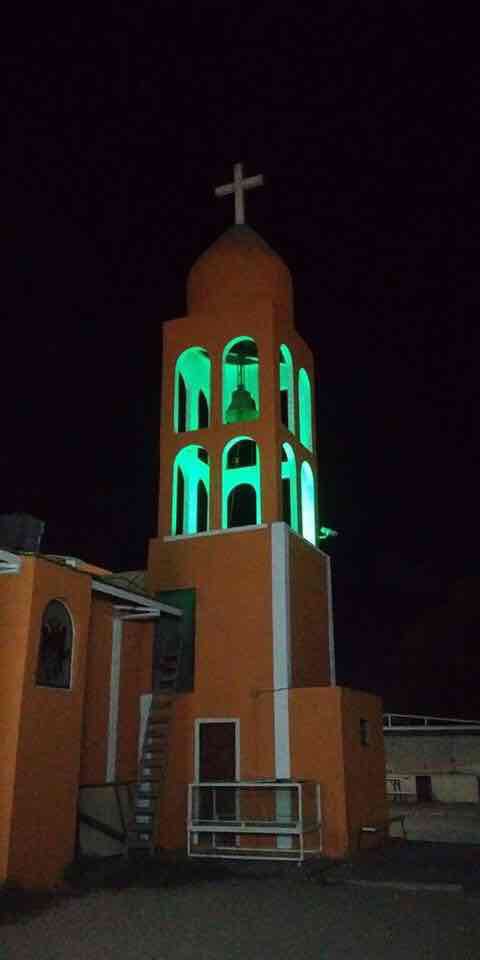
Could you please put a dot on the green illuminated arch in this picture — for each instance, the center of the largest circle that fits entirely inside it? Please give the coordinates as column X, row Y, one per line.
column 287, row 403
column 241, row 381
column 192, row 390
column 308, row 503
column 289, row 486
column 241, row 493
column 191, row 490
column 305, row 408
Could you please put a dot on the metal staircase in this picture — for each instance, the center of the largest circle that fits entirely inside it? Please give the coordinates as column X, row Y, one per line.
column 147, row 791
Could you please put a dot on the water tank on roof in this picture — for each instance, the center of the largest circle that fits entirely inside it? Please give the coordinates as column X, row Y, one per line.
column 20, row 531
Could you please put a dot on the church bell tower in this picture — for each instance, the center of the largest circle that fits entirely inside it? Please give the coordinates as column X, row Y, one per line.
column 238, row 528
column 237, row 427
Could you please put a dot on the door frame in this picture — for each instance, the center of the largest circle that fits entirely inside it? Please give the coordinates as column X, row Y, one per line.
column 196, row 747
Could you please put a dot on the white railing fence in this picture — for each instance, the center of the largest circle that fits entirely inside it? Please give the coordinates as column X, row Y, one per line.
column 254, row 819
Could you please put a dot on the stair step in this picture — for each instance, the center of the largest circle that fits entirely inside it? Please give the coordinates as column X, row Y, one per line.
column 153, row 764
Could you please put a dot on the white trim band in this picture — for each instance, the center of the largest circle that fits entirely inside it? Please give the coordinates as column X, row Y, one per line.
column 281, row 647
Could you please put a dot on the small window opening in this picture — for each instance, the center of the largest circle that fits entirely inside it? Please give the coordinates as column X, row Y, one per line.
column 364, row 732
column 55, row 651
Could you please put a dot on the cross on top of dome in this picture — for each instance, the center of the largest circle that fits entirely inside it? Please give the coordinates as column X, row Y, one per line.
column 238, row 188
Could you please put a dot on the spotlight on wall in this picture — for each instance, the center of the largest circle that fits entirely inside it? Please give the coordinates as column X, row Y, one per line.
column 325, row 532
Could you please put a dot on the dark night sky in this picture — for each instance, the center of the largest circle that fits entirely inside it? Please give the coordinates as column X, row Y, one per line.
column 365, row 125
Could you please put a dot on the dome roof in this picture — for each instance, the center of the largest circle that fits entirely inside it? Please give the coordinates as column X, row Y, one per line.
column 237, row 269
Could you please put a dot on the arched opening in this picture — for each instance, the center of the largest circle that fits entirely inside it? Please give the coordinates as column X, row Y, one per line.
column 241, row 381
column 242, row 454
column 287, row 404
column 54, row 666
column 182, row 405
column 241, row 499
column 180, row 501
column 202, row 507
column 191, row 487
column 308, row 503
column 242, row 506
column 289, row 486
column 191, row 407
column 305, row 408
column 202, row 410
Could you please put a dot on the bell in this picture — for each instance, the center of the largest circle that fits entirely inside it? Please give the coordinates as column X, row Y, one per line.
column 242, row 405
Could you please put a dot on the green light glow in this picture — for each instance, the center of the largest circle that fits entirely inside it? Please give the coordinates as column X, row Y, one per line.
column 195, row 472
column 289, row 486
column 325, row 532
column 286, row 388
column 250, row 372
column 191, row 407
column 305, row 408
column 233, row 477
column 308, row 502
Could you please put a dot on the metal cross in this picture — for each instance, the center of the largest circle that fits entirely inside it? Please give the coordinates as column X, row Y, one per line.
column 238, row 188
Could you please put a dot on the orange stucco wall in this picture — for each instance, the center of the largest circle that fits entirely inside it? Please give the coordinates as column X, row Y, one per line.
column 97, row 694
column 135, row 679
column 232, row 576
column 15, row 603
column 364, row 765
column 308, row 615
column 326, row 747
column 49, row 737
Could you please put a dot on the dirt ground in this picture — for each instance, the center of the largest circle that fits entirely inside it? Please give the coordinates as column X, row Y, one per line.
column 211, row 911
column 439, row 822
column 417, row 898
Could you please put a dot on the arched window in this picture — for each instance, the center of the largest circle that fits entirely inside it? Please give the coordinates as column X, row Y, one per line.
column 191, row 407
column 191, row 487
column 241, row 499
column 308, row 503
column 287, row 404
column 289, row 486
column 241, row 381
column 305, row 408
column 54, row 667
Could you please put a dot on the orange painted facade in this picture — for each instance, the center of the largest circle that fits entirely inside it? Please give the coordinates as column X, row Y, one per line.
column 49, row 734
column 239, row 287
column 54, row 740
column 327, row 748
column 263, row 640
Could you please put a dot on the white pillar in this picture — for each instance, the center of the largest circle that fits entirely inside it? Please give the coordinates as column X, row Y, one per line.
column 281, row 667
column 117, row 630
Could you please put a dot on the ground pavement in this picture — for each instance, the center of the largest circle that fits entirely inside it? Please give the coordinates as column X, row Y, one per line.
column 412, row 901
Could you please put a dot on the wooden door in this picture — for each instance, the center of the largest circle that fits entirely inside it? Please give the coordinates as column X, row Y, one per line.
column 217, row 761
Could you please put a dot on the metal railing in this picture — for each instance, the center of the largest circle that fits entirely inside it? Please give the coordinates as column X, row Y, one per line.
column 412, row 721
column 254, row 819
